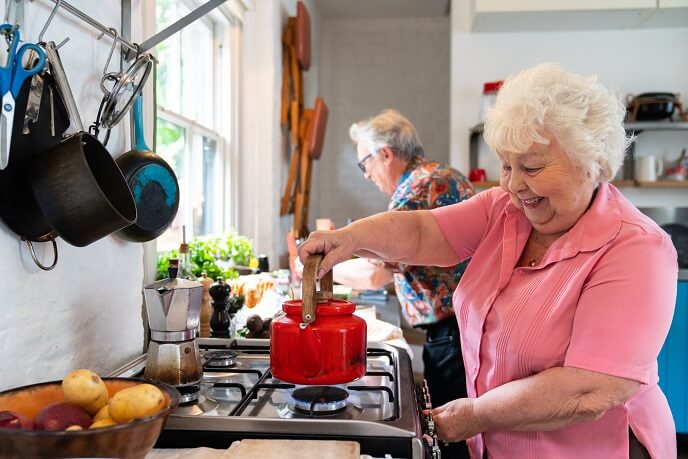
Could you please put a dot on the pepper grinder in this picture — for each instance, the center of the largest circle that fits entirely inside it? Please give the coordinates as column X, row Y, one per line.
column 220, row 321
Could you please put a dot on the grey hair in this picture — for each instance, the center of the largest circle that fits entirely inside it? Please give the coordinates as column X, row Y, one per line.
column 388, row 129
column 584, row 117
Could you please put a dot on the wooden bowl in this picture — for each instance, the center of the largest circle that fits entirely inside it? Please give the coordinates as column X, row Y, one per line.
column 130, row 440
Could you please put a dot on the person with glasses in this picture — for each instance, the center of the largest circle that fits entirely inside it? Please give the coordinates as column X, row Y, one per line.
column 391, row 156
column 570, row 292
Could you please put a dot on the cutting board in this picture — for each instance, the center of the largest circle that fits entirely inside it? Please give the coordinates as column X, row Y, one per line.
column 267, row 449
column 294, row 449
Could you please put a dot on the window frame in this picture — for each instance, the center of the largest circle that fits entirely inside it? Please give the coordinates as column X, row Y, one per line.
column 227, row 35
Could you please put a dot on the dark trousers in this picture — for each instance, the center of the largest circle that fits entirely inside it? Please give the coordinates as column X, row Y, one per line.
column 445, row 374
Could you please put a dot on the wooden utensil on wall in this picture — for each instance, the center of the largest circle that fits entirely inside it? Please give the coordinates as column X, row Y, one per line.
column 305, row 127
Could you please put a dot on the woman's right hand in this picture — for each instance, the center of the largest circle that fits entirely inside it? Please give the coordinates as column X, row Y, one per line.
column 337, row 246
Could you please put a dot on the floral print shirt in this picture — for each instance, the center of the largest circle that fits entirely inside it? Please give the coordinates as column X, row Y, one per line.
column 425, row 292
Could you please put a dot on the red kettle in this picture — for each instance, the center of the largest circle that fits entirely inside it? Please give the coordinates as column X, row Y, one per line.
column 317, row 340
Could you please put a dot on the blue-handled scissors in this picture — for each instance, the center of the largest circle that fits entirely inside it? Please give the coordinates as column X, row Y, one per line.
column 12, row 76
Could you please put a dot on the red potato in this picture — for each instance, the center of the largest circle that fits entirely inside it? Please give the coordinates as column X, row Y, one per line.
column 14, row 420
column 59, row 416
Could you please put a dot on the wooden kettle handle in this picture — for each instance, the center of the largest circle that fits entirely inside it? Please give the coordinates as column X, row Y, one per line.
column 309, row 295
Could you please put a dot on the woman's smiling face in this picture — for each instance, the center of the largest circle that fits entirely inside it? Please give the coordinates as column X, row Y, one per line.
column 550, row 190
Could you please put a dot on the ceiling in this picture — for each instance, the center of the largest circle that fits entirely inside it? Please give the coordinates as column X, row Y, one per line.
column 381, row 8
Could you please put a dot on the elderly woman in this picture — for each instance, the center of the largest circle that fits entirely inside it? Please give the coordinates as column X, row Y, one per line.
column 570, row 291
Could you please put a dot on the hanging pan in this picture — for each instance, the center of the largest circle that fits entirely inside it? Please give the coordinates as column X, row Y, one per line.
column 77, row 184
column 153, row 184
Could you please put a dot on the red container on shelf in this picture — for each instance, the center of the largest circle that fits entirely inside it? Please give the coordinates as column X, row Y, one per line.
column 317, row 340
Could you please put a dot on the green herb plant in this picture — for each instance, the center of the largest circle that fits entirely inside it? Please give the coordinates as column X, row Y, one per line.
column 213, row 255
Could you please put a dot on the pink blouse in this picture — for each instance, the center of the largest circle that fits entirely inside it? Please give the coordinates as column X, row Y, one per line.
column 601, row 299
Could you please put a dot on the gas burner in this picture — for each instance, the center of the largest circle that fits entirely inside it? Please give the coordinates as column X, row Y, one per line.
column 319, row 400
column 188, row 394
column 220, row 359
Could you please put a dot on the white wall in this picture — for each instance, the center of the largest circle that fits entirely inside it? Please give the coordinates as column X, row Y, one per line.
column 265, row 157
column 632, row 61
column 367, row 66
column 87, row 312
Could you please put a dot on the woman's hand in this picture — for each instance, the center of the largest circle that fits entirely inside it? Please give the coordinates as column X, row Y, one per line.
column 336, row 245
column 456, row 420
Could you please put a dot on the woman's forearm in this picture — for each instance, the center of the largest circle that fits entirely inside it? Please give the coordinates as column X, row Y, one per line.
column 553, row 399
column 360, row 273
column 409, row 237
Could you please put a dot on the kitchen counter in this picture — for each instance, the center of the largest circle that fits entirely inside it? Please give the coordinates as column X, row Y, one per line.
column 389, row 311
column 683, row 274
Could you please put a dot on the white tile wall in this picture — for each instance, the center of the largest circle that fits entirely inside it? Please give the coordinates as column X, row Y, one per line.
column 87, row 311
column 365, row 67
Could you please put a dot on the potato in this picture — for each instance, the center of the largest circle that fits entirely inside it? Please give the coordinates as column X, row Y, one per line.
column 106, row 422
column 86, row 389
column 103, row 413
column 136, row 402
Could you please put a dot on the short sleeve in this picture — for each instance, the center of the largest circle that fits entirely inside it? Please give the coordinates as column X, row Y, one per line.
column 464, row 224
column 625, row 309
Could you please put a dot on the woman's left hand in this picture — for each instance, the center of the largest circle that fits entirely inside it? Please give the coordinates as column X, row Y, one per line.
column 456, row 420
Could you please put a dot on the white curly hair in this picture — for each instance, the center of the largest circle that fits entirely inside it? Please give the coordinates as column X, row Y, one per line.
column 584, row 117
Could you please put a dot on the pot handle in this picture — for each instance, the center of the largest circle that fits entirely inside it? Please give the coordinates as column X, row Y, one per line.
column 310, row 296
column 35, row 258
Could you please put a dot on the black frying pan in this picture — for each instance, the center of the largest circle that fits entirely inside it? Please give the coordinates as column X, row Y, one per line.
column 153, row 184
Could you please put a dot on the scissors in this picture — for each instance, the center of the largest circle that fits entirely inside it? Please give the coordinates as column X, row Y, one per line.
column 12, row 76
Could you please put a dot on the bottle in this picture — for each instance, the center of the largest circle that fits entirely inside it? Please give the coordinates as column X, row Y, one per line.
column 206, row 309
column 185, row 268
column 489, row 97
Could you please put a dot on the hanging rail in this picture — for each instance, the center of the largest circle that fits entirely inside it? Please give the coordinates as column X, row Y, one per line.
column 152, row 41
column 104, row 29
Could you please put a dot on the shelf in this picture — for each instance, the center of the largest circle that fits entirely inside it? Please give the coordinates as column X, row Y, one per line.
column 636, row 126
column 664, row 184
column 487, row 184
column 656, row 126
column 627, row 172
column 623, row 183
column 616, row 183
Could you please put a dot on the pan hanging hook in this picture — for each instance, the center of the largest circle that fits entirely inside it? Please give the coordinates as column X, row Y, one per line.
column 50, row 19
column 115, row 34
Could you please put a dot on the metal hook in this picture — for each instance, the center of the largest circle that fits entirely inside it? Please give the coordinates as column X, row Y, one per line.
column 114, row 45
column 50, row 19
column 35, row 259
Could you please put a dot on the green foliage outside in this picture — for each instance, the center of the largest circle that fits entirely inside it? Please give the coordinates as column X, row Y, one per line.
column 212, row 254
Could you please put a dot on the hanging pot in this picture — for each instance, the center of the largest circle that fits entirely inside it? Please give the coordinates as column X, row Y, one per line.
column 153, row 184
column 318, row 340
column 78, row 186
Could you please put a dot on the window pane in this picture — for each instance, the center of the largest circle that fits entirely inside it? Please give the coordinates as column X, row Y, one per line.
column 207, row 186
column 170, row 144
column 186, row 65
column 169, row 80
column 197, row 73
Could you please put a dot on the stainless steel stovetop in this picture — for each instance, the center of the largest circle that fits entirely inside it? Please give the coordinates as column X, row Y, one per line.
column 238, row 398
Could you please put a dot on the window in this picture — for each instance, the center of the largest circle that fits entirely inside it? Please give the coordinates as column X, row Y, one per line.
column 195, row 120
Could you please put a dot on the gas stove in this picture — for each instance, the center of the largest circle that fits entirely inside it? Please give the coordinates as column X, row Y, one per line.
column 238, row 398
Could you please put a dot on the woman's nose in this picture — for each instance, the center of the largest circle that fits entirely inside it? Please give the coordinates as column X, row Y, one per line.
column 516, row 182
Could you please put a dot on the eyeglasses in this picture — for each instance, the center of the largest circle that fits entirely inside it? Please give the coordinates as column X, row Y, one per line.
column 361, row 163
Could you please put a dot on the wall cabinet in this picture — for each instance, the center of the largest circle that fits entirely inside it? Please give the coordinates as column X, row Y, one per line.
column 673, row 360
column 539, row 15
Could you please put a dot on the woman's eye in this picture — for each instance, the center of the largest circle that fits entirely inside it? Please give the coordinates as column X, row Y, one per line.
column 531, row 170
column 506, row 168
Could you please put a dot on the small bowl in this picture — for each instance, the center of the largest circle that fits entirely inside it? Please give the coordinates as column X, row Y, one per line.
column 130, row 440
